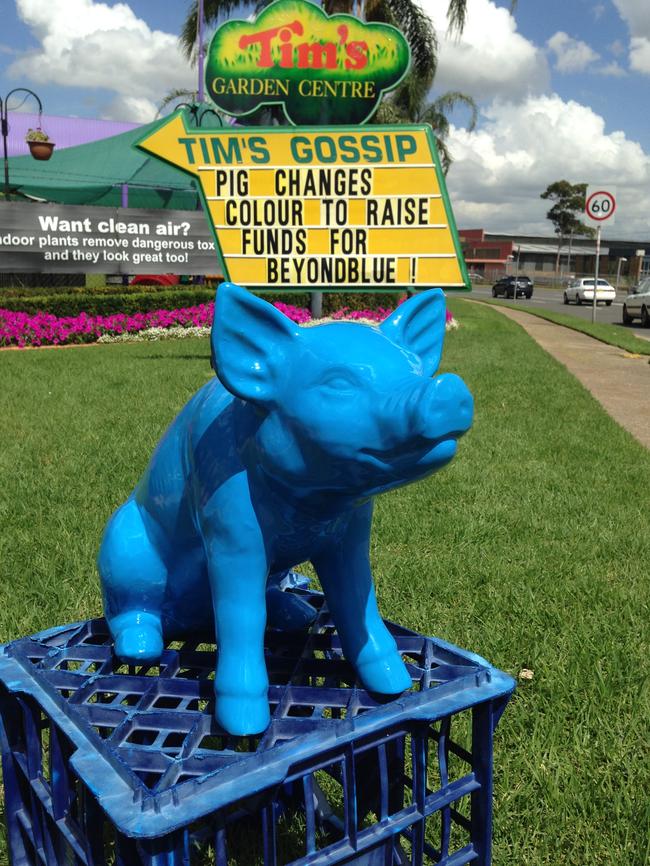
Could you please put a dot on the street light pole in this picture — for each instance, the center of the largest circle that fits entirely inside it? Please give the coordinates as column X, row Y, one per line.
column 5, row 132
column 4, row 127
column 199, row 27
column 516, row 270
column 618, row 271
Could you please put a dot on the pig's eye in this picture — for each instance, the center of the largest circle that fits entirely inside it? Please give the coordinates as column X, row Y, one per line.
column 339, row 382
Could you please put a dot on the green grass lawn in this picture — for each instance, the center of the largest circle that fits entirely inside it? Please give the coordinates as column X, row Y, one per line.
column 532, row 549
column 606, row 332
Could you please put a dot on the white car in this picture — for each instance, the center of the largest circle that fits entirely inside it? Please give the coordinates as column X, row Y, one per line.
column 582, row 290
column 637, row 304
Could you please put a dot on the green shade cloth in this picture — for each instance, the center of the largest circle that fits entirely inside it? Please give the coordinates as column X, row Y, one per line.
column 94, row 174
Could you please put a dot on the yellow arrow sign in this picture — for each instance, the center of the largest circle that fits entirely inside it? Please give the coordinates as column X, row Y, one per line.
column 321, row 208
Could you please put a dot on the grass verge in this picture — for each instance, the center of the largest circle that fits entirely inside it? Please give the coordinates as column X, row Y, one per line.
column 613, row 335
column 531, row 548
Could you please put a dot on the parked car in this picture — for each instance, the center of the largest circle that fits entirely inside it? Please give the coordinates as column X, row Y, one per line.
column 637, row 304
column 506, row 287
column 582, row 290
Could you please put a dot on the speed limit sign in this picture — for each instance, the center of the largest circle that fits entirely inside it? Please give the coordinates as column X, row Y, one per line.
column 600, row 204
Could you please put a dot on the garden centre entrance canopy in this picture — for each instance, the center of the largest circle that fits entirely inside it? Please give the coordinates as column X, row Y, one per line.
column 109, row 172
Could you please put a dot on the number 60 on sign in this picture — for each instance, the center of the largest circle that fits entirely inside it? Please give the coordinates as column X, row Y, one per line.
column 600, row 204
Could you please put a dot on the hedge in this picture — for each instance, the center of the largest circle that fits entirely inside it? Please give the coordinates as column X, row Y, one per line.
column 29, row 292
column 104, row 304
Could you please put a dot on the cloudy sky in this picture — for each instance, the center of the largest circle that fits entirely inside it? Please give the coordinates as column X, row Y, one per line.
column 562, row 87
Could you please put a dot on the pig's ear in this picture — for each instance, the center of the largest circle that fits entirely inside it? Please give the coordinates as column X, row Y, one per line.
column 418, row 325
column 251, row 343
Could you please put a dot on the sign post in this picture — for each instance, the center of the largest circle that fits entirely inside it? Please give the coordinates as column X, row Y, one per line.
column 600, row 206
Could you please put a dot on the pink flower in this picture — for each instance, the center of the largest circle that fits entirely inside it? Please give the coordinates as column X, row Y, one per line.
column 43, row 329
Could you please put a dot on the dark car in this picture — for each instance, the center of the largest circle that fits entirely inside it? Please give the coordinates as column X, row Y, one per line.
column 506, row 287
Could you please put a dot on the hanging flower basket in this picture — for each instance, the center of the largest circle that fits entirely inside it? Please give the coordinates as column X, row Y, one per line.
column 39, row 144
column 41, row 149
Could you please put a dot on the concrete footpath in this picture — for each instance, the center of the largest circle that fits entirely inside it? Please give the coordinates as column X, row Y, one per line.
column 619, row 380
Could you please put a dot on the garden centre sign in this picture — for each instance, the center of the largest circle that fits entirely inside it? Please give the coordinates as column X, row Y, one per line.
column 321, row 69
column 45, row 238
column 321, row 208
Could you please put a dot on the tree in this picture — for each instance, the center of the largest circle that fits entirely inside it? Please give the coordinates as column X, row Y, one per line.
column 457, row 13
column 569, row 202
column 409, row 104
column 406, row 15
column 408, row 107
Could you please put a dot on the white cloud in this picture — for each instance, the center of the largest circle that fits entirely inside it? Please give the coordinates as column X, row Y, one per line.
column 611, row 69
column 640, row 54
column 490, row 59
column 571, row 55
column 635, row 14
column 500, row 171
column 83, row 43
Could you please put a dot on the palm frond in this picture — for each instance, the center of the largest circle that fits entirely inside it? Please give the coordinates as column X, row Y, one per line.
column 445, row 157
column 436, row 120
column 187, row 37
column 418, row 29
column 173, row 95
column 456, row 16
column 389, row 112
column 448, row 101
column 213, row 10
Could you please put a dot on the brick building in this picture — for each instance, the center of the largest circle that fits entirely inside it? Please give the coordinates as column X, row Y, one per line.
column 492, row 254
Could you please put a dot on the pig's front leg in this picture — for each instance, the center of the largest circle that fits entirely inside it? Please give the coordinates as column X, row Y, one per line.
column 345, row 575
column 237, row 570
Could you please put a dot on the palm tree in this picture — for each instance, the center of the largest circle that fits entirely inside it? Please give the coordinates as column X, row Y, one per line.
column 405, row 107
column 457, row 12
column 409, row 102
column 406, row 15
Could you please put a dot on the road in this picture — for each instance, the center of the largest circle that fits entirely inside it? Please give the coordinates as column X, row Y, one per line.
column 551, row 299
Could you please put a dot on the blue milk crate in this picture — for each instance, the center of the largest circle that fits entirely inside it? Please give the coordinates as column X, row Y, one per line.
column 107, row 764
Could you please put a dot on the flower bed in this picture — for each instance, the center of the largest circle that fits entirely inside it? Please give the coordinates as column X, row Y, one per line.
column 44, row 329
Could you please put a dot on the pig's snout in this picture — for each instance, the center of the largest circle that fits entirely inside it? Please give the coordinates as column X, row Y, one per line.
column 444, row 408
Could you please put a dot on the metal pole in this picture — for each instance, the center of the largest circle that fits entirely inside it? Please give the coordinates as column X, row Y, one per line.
column 124, row 200
column 316, row 305
column 201, row 91
column 516, row 269
column 4, row 123
column 593, row 306
column 5, row 132
column 618, row 271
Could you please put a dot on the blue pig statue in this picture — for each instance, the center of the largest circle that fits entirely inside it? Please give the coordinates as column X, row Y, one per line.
column 276, row 461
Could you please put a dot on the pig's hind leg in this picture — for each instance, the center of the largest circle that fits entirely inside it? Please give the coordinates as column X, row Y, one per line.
column 345, row 575
column 134, row 579
column 285, row 611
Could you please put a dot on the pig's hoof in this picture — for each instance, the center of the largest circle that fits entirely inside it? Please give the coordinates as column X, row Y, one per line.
column 139, row 643
column 242, row 716
column 386, row 675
